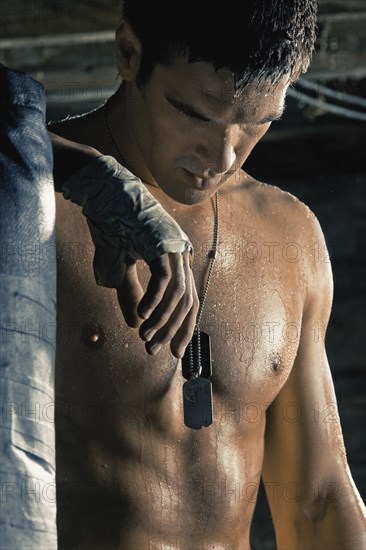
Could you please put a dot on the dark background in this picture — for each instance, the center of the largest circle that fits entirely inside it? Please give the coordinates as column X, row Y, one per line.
column 317, row 156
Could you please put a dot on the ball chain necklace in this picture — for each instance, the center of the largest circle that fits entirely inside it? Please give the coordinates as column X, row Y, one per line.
column 196, row 362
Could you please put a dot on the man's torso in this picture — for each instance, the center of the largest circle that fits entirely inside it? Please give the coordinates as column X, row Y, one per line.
column 130, row 474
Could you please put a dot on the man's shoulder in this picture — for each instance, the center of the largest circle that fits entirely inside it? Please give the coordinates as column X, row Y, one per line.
column 79, row 128
column 277, row 206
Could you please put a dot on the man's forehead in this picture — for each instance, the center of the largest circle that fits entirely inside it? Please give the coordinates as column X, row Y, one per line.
column 218, row 89
column 225, row 95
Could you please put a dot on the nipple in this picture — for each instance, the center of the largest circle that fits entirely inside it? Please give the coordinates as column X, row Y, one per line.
column 93, row 336
column 276, row 364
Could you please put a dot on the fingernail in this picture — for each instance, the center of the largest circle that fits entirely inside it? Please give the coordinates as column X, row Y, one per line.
column 144, row 313
column 155, row 348
column 148, row 335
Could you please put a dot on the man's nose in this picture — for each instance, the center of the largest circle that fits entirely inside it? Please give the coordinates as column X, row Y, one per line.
column 217, row 151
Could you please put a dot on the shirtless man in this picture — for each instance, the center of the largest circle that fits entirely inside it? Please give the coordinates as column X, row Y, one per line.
column 200, row 88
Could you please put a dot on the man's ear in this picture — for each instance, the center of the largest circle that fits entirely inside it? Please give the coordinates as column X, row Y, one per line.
column 128, row 49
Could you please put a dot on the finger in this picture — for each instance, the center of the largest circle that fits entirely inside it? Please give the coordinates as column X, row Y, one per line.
column 174, row 293
column 129, row 295
column 182, row 320
column 160, row 277
column 185, row 333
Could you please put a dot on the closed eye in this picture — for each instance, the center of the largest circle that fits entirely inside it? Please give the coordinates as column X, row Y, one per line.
column 257, row 124
column 188, row 111
column 264, row 122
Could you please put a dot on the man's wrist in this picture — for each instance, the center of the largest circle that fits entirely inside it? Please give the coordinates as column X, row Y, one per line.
column 124, row 219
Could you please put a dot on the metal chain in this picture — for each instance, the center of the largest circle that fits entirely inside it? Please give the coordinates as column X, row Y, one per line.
column 211, row 256
column 116, row 150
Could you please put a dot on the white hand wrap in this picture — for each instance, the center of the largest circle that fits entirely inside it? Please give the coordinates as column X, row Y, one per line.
column 124, row 219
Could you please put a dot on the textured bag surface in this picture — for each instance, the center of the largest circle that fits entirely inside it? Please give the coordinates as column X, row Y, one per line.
column 27, row 317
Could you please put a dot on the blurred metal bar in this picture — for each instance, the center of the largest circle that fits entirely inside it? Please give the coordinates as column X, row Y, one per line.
column 57, row 40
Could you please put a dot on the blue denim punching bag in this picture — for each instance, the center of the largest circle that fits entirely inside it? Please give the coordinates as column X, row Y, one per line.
column 27, row 317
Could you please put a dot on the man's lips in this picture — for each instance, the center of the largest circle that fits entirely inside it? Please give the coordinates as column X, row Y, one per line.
column 199, row 182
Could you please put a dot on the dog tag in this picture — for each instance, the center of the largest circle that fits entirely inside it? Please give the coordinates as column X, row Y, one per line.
column 197, row 403
column 205, row 342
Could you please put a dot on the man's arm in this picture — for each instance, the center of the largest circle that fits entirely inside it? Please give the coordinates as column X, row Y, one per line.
column 68, row 158
column 166, row 312
column 314, row 501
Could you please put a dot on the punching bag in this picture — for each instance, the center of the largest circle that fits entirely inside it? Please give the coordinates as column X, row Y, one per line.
column 27, row 317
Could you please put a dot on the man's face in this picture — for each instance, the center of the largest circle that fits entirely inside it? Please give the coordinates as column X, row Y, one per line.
column 192, row 132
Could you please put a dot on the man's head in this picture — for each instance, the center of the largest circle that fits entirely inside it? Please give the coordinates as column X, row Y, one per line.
column 205, row 80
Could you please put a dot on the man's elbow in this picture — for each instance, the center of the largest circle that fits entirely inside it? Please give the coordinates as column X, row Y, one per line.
column 334, row 517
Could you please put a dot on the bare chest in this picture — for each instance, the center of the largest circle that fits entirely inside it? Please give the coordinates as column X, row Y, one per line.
column 252, row 314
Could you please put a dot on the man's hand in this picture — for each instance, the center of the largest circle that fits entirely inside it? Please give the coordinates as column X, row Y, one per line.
column 170, row 304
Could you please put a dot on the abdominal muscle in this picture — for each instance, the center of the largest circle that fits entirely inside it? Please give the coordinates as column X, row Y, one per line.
column 133, row 476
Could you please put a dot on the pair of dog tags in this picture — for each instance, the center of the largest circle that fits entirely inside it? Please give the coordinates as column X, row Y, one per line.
column 197, row 391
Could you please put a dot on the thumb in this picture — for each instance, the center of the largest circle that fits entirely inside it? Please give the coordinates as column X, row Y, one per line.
column 129, row 295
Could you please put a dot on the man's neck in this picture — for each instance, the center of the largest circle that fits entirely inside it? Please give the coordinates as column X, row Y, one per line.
column 121, row 134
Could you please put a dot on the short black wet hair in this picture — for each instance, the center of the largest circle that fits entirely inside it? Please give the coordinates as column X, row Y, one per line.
column 261, row 40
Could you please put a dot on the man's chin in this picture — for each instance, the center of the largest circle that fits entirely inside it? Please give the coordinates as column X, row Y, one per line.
column 183, row 192
column 191, row 197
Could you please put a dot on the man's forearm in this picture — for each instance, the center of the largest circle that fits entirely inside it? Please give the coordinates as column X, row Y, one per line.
column 68, row 158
